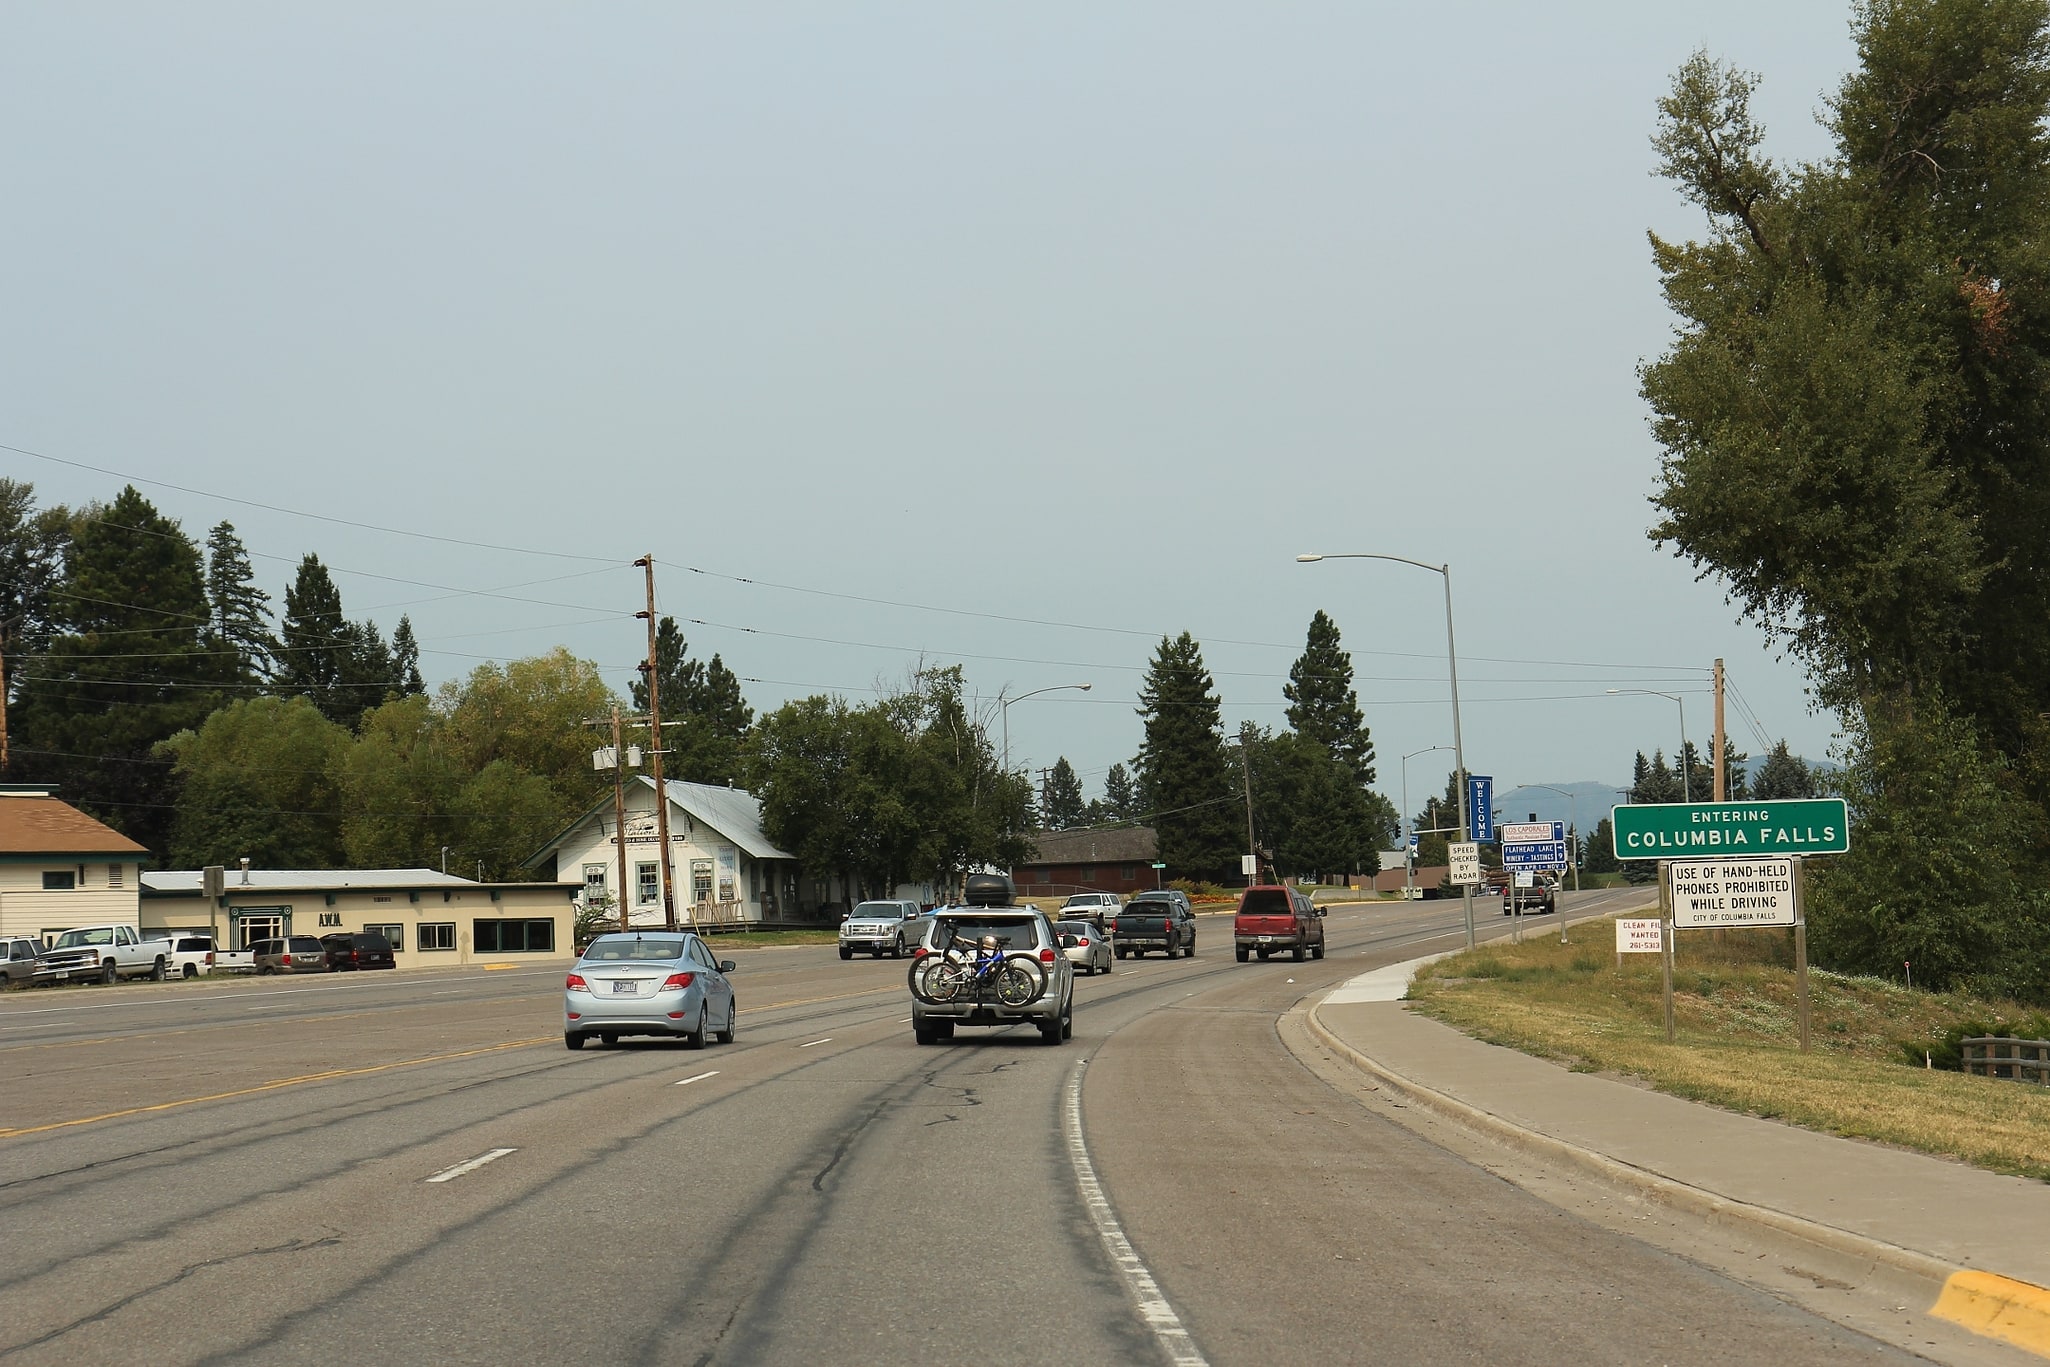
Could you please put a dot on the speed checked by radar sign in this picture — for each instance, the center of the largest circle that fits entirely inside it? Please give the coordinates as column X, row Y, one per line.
column 1732, row 892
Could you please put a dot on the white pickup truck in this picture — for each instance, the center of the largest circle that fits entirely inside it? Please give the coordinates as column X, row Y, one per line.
column 106, row 953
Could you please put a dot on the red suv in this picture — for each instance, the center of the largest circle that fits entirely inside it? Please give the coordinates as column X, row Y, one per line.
column 1276, row 919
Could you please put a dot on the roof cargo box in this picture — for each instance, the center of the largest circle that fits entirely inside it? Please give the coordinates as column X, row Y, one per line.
column 988, row 890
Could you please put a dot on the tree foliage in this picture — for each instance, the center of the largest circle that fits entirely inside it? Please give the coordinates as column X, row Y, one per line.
column 1783, row 774
column 1853, row 414
column 240, row 620
column 703, row 698
column 1062, row 807
column 1322, row 706
column 1182, row 768
column 259, row 781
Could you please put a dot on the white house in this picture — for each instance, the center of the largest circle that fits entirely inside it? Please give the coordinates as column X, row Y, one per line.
column 725, row 870
column 60, row 868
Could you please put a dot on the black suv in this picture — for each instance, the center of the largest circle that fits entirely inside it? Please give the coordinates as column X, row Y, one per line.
column 1536, row 900
column 362, row 950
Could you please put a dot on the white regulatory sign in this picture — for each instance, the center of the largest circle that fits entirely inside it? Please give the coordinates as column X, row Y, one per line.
column 1732, row 892
column 1466, row 862
column 1638, row 937
column 1249, row 865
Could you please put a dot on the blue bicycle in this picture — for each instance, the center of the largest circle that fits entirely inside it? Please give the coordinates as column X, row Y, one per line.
column 977, row 971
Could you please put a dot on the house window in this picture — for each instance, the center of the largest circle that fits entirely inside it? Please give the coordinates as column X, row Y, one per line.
column 650, row 883
column 1128, row 872
column 513, row 937
column 113, row 875
column 395, row 934
column 1086, row 874
column 59, row 881
column 436, row 935
column 594, row 883
column 700, row 880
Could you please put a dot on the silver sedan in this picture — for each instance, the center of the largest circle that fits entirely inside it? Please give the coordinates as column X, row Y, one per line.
column 1086, row 946
column 648, row 983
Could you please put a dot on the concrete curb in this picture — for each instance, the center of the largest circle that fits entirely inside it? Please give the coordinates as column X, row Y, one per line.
column 1986, row 1303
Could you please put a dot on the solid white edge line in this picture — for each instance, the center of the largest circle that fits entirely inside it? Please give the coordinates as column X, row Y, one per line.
column 699, row 1078
column 450, row 1174
column 1160, row 1317
column 827, row 1040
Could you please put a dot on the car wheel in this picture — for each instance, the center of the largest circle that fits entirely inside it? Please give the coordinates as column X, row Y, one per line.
column 1050, row 1033
column 156, row 970
column 608, row 1038
column 1190, row 952
column 695, row 1039
column 572, row 1039
column 845, row 952
column 108, row 973
column 732, row 1015
column 1245, row 954
column 1068, row 1021
column 189, row 971
column 1106, row 965
column 898, row 951
column 1317, row 950
column 1301, row 953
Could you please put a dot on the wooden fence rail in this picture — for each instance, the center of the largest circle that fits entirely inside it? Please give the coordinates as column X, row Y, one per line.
column 2025, row 1060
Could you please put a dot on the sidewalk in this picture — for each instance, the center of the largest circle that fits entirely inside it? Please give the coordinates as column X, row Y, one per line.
column 1982, row 1238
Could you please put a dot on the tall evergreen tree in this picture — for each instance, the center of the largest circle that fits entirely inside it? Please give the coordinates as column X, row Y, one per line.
column 1783, row 775
column 405, row 660
column 32, row 544
column 704, row 697
column 1182, row 763
column 1063, row 807
column 133, row 590
column 241, row 611
column 1322, row 705
column 317, row 645
column 1120, row 800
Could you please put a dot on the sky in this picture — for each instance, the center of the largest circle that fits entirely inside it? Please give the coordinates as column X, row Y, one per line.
column 1009, row 336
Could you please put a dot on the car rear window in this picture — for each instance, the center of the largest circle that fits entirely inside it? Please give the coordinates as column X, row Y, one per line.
column 1266, row 902
column 1022, row 933
column 305, row 944
column 648, row 950
column 192, row 945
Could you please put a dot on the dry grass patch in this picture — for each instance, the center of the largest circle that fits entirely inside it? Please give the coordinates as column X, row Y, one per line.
column 1734, row 1004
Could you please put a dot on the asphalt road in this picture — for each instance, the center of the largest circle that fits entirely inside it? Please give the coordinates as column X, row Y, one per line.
column 241, row 1171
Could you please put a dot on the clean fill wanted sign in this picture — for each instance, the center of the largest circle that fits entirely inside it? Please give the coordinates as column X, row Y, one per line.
column 1732, row 892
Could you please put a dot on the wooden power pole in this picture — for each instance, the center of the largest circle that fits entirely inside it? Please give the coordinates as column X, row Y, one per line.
column 619, row 815
column 1721, row 742
column 647, row 562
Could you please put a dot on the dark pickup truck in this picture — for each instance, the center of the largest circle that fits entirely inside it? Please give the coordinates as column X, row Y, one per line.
column 1146, row 923
column 1273, row 920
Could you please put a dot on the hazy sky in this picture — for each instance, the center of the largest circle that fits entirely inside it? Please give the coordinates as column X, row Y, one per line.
column 1089, row 314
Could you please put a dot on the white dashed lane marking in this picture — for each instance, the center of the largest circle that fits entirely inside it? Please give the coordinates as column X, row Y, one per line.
column 450, row 1174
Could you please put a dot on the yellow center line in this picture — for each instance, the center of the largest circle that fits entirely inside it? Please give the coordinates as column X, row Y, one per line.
column 327, row 1076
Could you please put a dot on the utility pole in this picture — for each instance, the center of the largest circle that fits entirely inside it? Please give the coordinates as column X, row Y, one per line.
column 1246, row 773
column 1721, row 742
column 647, row 562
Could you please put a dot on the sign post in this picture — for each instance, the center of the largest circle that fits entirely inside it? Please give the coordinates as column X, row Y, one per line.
column 1666, row 942
column 1801, row 952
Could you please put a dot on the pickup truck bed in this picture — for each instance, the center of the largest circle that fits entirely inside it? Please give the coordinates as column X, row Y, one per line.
column 1153, row 925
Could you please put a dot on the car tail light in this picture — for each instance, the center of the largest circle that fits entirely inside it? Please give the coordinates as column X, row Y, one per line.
column 678, row 980
column 285, row 960
column 920, row 952
column 1046, row 956
column 1082, row 941
column 575, row 983
column 209, row 958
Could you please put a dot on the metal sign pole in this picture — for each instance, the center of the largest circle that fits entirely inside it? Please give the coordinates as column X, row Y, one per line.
column 1666, row 942
column 1801, row 950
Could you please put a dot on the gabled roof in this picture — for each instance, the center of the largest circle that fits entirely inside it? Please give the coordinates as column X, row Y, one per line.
column 1120, row 845
column 33, row 824
column 733, row 812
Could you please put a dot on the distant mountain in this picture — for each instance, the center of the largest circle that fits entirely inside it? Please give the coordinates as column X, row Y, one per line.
column 1593, row 798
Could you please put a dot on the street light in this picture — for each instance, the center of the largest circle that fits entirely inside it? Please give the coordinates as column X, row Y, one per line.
column 1004, row 708
column 1452, row 669
column 1686, row 781
column 1408, row 860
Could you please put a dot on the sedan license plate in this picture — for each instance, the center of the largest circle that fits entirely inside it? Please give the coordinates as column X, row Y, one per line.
column 621, row 988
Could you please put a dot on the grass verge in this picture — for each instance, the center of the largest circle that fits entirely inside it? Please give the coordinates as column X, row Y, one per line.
column 1734, row 1004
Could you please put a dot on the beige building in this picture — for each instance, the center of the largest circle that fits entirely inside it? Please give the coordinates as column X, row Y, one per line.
column 430, row 918
column 60, row 868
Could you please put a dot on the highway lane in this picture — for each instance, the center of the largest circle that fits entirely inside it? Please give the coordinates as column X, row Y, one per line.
column 823, row 1189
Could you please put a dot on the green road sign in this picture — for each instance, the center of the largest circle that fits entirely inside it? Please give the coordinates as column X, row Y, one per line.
column 1703, row 830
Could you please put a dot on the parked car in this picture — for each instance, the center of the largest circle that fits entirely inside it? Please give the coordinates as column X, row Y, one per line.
column 1155, row 921
column 21, row 959
column 346, row 952
column 882, row 927
column 290, row 954
column 991, row 909
column 648, row 983
column 1275, row 919
column 1086, row 945
column 1099, row 907
column 105, row 953
column 192, row 955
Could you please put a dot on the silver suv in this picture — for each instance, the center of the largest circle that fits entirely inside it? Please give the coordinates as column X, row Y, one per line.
column 881, row 928
column 1018, row 930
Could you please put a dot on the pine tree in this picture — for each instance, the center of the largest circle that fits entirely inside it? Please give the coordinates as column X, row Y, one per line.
column 1182, row 763
column 704, row 698
column 317, row 644
column 405, row 660
column 89, row 718
column 1063, row 808
column 1601, row 850
column 1120, row 802
column 1783, row 775
column 241, row 611
column 1322, row 705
